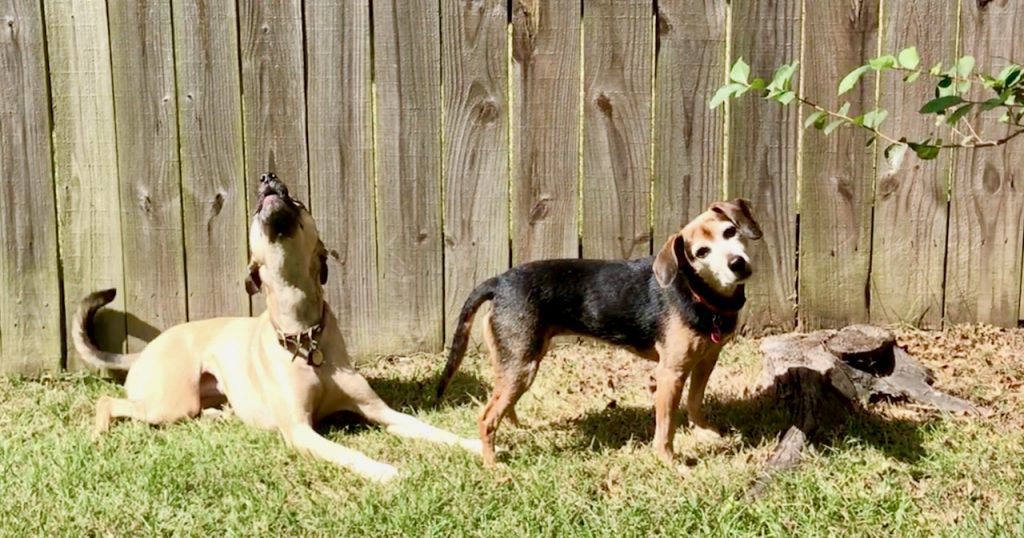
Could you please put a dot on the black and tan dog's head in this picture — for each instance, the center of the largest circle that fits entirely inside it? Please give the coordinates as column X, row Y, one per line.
column 714, row 245
column 284, row 241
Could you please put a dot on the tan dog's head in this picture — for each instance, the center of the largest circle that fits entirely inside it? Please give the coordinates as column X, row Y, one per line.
column 714, row 244
column 286, row 249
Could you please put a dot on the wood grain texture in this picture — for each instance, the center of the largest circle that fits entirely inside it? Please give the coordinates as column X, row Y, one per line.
column 85, row 162
column 911, row 210
column 986, row 227
column 341, row 164
column 407, row 60
column 688, row 136
column 762, row 160
column 273, row 93
column 213, row 186
column 837, row 175
column 545, row 145
column 617, row 67
column 145, row 110
column 474, row 66
column 29, row 282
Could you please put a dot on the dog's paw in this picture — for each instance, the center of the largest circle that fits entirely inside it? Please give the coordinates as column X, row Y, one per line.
column 706, row 434
column 380, row 473
column 472, row 445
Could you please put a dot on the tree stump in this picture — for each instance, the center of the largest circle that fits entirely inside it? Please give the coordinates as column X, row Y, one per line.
column 814, row 373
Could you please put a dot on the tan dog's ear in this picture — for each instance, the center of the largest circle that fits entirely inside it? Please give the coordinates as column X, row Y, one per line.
column 738, row 211
column 666, row 263
column 321, row 251
column 253, row 283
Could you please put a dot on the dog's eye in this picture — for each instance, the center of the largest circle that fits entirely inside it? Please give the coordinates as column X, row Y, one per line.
column 729, row 232
column 703, row 252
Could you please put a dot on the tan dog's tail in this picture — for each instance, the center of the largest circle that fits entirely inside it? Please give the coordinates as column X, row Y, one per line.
column 83, row 342
column 483, row 293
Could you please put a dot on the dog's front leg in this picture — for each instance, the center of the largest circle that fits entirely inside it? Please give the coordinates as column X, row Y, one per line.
column 695, row 398
column 306, row 440
column 361, row 398
column 669, row 381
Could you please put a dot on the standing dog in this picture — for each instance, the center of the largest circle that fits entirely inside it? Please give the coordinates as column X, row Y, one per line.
column 283, row 370
column 677, row 308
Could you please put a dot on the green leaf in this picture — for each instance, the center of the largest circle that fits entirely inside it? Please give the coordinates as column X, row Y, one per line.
column 944, row 87
column 924, row 151
column 786, row 97
column 991, row 103
column 814, row 118
column 959, row 113
column 911, row 77
column 870, row 142
column 962, row 86
column 845, row 109
column 936, row 69
column 940, row 104
column 724, row 93
column 757, row 84
column 781, row 77
column 964, row 66
column 894, row 154
column 1012, row 78
column 851, row 79
column 908, row 58
column 740, row 71
column 885, row 61
column 875, row 118
column 1005, row 118
column 832, row 126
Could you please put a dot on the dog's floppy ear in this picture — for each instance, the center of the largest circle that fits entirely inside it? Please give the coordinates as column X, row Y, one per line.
column 253, row 282
column 666, row 263
column 738, row 211
column 321, row 252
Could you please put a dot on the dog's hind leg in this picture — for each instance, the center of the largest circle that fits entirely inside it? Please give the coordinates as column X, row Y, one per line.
column 108, row 408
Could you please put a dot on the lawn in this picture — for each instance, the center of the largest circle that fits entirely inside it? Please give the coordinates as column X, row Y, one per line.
column 580, row 464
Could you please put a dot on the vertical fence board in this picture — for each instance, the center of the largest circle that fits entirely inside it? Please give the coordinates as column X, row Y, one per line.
column 909, row 246
column 837, row 173
column 85, row 161
column 29, row 282
column 273, row 94
column 407, row 73
column 983, row 271
column 688, row 137
column 618, row 40
column 545, row 104
column 762, row 159
column 146, row 120
column 212, row 171
column 474, row 66
column 341, row 164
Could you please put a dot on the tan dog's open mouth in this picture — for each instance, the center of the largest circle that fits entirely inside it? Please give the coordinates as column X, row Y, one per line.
column 276, row 209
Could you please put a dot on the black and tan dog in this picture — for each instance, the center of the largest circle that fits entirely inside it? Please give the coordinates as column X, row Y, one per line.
column 677, row 308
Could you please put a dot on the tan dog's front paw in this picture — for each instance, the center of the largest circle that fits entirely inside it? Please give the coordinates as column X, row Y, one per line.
column 381, row 473
column 706, row 434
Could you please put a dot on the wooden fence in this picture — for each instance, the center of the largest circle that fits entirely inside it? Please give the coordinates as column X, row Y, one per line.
column 440, row 141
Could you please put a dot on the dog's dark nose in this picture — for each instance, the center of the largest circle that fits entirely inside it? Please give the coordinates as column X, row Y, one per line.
column 739, row 266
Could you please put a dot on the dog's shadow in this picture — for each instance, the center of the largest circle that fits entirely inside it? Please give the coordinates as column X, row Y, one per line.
column 757, row 419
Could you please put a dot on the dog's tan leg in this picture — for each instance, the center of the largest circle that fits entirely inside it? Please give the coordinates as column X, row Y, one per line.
column 695, row 397
column 361, row 398
column 304, row 439
column 669, row 390
column 108, row 408
column 509, row 385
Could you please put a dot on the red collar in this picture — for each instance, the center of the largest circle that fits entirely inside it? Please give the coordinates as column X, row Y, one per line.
column 699, row 299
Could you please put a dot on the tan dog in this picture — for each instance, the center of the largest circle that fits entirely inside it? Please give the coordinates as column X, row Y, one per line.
column 677, row 308
column 283, row 370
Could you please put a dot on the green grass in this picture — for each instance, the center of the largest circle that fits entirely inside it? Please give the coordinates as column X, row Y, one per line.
column 580, row 466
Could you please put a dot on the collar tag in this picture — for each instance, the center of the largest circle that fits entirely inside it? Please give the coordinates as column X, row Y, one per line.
column 716, row 331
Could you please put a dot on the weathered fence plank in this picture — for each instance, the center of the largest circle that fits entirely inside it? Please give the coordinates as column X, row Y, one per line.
column 273, row 97
column 212, row 168
column 145, row 112
column 474, row 65
column 986, row 227
column 762, row 160
column 341, row 164
column 909, row 246
column 688, row 137
column 838, row 170
column 29, row 282
column 545, row 87
column 85, row 161
column 407, row 60
column 273, row 93
column 618, row 41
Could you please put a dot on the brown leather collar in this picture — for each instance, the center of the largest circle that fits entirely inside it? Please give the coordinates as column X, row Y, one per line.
column 305, row 344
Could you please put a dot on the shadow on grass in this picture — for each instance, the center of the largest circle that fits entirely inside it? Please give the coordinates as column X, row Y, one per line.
column 757, row 419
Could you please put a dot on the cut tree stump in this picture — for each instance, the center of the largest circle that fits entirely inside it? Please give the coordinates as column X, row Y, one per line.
column 820, row 375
